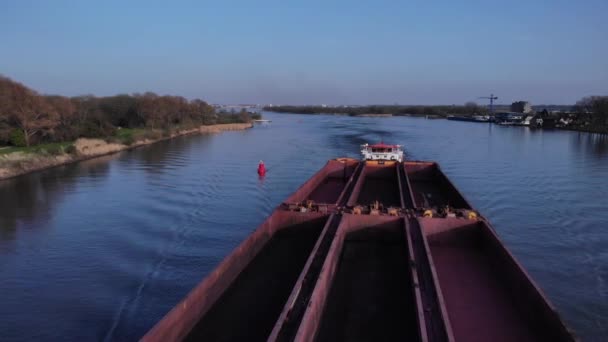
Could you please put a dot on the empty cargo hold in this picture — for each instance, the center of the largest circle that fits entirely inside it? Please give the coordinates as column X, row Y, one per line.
column 378, row 183
column 250, row 306
column 431, row 188
column 371, row 296
column 327, row 185
column 487, row 294
column 243, row 297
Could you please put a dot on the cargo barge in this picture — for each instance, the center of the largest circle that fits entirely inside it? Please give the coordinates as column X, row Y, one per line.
column 368, row 250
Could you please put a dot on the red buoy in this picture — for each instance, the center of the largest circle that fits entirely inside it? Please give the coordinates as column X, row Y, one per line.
column 261, row 168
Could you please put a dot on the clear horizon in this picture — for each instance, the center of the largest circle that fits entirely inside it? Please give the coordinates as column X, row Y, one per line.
column 545, row 52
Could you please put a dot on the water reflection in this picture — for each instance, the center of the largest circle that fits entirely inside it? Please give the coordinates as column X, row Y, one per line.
column 30, row 200
column 592, row 144
column 24, row 200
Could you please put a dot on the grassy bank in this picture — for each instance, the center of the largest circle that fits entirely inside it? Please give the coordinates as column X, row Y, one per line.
column 125, row 136
column 15, row 161
column 51, row 148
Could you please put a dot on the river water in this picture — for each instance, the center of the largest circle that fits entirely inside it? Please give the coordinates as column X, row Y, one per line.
column 102, row 249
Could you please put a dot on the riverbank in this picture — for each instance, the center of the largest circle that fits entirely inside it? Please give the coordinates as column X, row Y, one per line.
column 20, row 162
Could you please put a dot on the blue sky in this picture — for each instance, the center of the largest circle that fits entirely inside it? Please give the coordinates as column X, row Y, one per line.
column 311, row 52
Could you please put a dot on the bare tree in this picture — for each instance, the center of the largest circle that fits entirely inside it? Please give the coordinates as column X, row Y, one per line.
column 26, row 109
column 149, row 109
column 65, row 111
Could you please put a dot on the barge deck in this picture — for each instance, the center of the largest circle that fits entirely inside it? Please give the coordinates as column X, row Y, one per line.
column 367, row 251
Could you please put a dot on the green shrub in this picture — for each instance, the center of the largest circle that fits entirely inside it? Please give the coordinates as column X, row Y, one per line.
column 128, row 140
column 17, row 138
column 231, row 118
column 71, row 149
column 54, row 150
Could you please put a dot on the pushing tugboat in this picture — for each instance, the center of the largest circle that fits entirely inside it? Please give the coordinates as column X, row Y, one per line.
column 378, row 249
column 382, row 152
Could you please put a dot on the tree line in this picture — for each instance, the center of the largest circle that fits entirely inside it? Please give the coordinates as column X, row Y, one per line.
column 469, row 108
column 27, row 117
column 593, row 109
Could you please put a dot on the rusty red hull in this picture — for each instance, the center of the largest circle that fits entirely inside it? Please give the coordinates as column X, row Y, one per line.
column 354, row 254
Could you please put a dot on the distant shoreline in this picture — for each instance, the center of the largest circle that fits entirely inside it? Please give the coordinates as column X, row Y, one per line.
column 15, row 164
column 584, row 129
